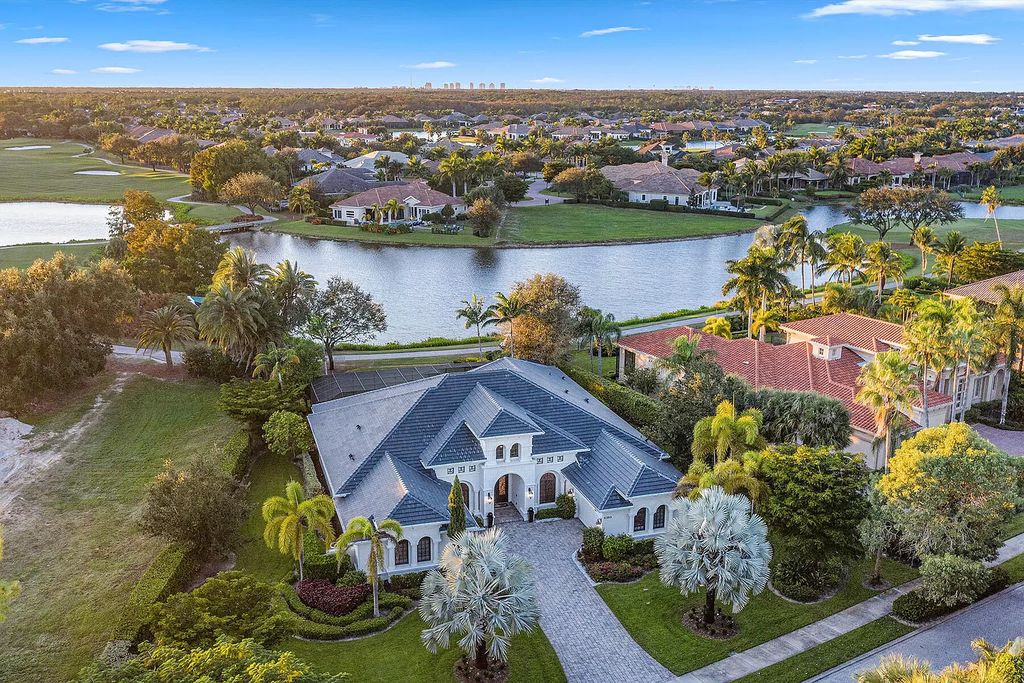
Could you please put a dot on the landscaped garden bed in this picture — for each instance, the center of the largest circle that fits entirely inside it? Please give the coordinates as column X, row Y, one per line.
column 616, row 559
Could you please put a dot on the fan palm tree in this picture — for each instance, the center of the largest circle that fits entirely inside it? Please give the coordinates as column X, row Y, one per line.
column 715, row 542
column 359, row 529
column 1009, row 333
column 727, row 433
column 926, row 339
column 481, row 591
column 505, row 310
column 949, row 250
column 476, row 313
column 888, row 387
column 881, row 264
column 231, row 319
column 718, row 327
column 239, row 269
column 164, row 328
column 288, row 517
column 924, row 238
column 991, row 200
column 732, row 475
column 275, row 362
column 292, row 288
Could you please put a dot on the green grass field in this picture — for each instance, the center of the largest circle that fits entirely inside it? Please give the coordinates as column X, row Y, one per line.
column 811, row 129
column 652, row 613
column 595, row 223
column 348, row 233
column 75, row 545
column 23, row 255
column 1013, row 194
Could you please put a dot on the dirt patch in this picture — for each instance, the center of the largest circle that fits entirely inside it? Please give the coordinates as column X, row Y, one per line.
column 146, row 366
column 723, row 628
column 466, row 672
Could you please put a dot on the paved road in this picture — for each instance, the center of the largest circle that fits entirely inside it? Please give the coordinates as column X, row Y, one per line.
column 1009, row 441
column 155, row 356
column 590, row 642
column 998, row 619
column 535, row 198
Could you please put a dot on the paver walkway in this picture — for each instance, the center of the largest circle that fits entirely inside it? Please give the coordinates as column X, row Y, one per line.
column 590, row 642
column 802, row 639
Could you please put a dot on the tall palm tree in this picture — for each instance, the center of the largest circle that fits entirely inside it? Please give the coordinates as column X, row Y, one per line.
column 239, row 269
column 288, row 517
column 888, row 387
column 275, row 362
column 991, row 200
column 732, row 475
column 454, row 169
column 163, row 328
column 924, row 238
column 231, row 319
column 718, row 327
column 727, row 433
column 949, row 250
column 883, row 263
column 359, row 529
column 758, row 279
column 605, row 330
column 767, row 320
column 481, row 591
column 846, row 255
column 1009, row 332
column 977, row 346
column 391, row 208
column 291, row 289
column 505, row 310
column 927, row 342
column 476, row 313
column 802, row 246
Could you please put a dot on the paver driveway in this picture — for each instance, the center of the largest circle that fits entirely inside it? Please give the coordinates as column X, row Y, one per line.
column 590, row 642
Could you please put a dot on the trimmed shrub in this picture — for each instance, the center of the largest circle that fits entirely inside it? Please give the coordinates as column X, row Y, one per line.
column 323, row 595
column 952, row 580
column 353, row 577
column 317, row 564
column 314, row 631
column 203, row 361
column 916, row 608
column 237, row 454
column 168, row 573
column 644, row 547
column 407, row 584
column 639, row 410
column 803, row 578
column 310, row 482
column 616, row 572
column 566, row 505
column 593, row 540
column 617, row 548
column 363, row 611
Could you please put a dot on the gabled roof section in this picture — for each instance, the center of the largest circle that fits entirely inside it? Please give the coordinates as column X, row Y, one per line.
column 615, row 471
column 460, row 445
column 489, row 414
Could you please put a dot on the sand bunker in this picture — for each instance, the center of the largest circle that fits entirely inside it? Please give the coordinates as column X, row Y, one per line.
column 97, row 173
column 25, row 148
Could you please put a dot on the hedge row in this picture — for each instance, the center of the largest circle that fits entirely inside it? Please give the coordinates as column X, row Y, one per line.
column 662, row 205
column 303, row 628
column 237, row 454
column 168, row 573
column 360, row 613
column 637, row 409
column 916, row 608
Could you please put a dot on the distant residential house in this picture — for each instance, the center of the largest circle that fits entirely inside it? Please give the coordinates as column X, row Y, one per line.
column 353, row 138
column 311, row 159
column 943, row 170
column 824, row 355
column 790, row 179
column 1009, row 141
column 860, row 170
column 390, row 121
column 144, row 134
column 984, row 290
column 514, row 131
column 653, row 180
column 344, row 181
column 416, row 199
column 369, row 159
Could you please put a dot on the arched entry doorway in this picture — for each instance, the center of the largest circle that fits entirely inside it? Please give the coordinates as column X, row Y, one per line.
column 510, row 498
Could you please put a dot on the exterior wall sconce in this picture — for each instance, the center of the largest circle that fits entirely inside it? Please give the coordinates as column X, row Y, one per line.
column 600, row 521
column 529, row 492
column 489, row 499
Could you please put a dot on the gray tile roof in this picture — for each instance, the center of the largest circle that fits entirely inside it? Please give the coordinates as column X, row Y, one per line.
column 615, row 470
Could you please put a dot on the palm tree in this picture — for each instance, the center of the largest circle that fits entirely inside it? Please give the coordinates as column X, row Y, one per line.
column 846, row 255
column 239, row 269
column 718, row 327
column 230, row 319
column 897, row 668
column 717, row 543
column 927, row 341
column 977, row 345
column 765, row 321
column 275, row 362
column 300, row 200
column 415, row 168
column 802, row 246
column 727, row 434
column 164, row 328
column 924, row 238
column 758, row 279
column 291, row 288
column 888, row 387
column 732, row 475
column 882, row 264
column 991, row 200
column 481, row 591
column 383, row 163
column 392, row 208
column 605, row 331
column 1009, row 332
column 453, row 168
column 476, row 313
column 948, row 250
column 504, row 312
column 288, row 517
column 359, row 529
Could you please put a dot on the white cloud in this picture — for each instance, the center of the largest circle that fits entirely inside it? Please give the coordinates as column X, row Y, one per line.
column 115, row 70
column 64, row 72
column 606, row 31
column 898, row 7
column 547, row 79
column 968, row 38
column 440, row 64
column 153, row 46
column 131, row 6
column 805, row 61
column 913, row 54
column 852, row 56
column 906, row 42
column 42, row 40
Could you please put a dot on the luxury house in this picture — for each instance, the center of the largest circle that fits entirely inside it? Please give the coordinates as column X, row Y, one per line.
column 515, row 433
column 416, row 199
column 653, row 180
column 944, row 170
column 984, row 291
column 824, row 355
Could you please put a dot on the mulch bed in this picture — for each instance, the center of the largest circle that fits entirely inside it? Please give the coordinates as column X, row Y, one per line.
column 466, row 672
column 723, row 628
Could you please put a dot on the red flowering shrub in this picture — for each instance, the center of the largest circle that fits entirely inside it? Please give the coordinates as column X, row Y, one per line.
column 323, row 595
column 617, row 572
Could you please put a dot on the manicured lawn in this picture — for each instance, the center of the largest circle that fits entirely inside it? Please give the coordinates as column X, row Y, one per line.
column 595, row 223
column 833, row 653
column 74, row 544
column 49, row 174
column 972, row 229
column 398, row 655
column 268, row 477
column 349, row 233
column 652, row 613
column 1009, row 193
column 23, row 255
column 1014, row 526
column 806, row 129
column 582, row 360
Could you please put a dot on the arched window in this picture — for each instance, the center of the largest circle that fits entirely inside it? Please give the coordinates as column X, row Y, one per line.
column 423, row 549
column 514, row 452
column 499, row 453
column 465, row 492
column 402, row 552
column 659, row 517
column 547, row 488
column 640, row 520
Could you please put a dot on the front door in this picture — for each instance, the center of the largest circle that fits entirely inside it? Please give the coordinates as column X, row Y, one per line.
column 501, row 491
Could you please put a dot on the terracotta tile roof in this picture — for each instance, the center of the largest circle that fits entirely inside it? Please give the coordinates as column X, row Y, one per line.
column 984, row 290
column 857, row 331
column 420, row 191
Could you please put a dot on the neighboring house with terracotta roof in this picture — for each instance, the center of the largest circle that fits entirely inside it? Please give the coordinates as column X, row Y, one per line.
column 416, row 199
column 653, row 180
column 517, row 435
column 824, row 355
column 984, row 290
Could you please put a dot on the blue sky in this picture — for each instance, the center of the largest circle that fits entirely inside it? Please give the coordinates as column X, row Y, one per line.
column 800, row 44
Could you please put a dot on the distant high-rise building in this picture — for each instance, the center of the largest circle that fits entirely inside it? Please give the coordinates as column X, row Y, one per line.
column 483, row 86
column 490, row 86
column 471, row 85
column 428, row 85
column 501, row 85
column 457, row 85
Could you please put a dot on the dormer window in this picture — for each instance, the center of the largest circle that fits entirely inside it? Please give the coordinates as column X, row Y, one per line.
column 499, row 453
column 514, row 452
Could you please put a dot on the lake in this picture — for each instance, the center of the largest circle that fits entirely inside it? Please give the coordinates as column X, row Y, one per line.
column 25, row 222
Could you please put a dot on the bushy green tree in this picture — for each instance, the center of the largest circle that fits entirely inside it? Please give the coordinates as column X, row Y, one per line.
column 952, row 580
column 287, row 434
column 254, row 401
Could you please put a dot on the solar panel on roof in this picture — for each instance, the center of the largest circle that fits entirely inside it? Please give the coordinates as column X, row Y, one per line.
column 340, row 384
